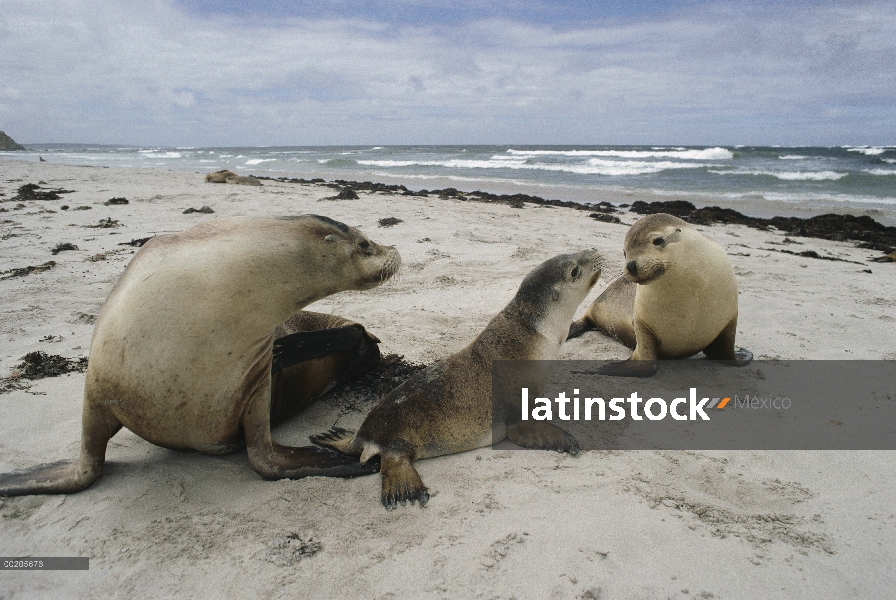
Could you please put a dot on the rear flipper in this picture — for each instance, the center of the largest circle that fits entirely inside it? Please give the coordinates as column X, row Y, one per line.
column 338, row 439
column 62, row 477
column 307, row 345
column 288, row 462
column 542, row 436
column 401, row 482
column 68, row 476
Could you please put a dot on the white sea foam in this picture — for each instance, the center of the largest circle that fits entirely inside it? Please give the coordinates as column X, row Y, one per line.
column 793, row 157
column 594, row 166
column 789, row 175
column 891, row 161
column 154, row 154
column 258, row 161
column 867, row 151
column 879, row 171
column 682, row 154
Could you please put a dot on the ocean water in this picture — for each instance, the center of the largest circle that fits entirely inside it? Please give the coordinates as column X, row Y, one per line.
column 760, row 181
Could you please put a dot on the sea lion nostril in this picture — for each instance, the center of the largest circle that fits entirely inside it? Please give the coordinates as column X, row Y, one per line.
column 632, row 267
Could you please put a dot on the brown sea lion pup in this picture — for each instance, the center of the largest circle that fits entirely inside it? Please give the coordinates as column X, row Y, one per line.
column 237, row 180
column 183, row 346
column 219, row 176
column 447, row 407
column 678, row 297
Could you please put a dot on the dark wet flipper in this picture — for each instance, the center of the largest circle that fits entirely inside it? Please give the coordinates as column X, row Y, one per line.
column 308, row 345
column 312, row 461
column 336, row 438
column 630, row 368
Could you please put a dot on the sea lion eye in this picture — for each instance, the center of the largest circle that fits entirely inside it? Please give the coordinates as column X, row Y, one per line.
column 659, row 242
column 575, row 273
column 364, row 245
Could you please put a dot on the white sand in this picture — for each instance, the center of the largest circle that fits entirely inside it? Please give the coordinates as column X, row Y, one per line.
column 500, row 524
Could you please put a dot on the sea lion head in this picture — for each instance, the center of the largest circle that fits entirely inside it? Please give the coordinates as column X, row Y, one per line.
column 650, row 246
column 552, row 291
column 357, row 258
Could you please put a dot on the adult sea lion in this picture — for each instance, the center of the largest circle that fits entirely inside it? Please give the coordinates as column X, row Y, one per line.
column 219, row 176
column 447, row 407
column 678, row 296
column 182, row 348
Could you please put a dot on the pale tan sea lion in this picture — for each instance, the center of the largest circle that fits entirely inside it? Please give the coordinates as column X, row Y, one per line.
column 182, row 348
column 447, row 407
column 678, row 297
column 219, row 176
column 891, row 257
column 237, row 180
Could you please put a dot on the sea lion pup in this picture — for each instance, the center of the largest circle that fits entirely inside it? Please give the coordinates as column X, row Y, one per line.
column 678, row 297
column 182, row 348
column 219, row 176
column 447, row 407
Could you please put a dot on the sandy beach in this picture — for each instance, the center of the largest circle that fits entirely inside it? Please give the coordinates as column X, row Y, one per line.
column 500, row 523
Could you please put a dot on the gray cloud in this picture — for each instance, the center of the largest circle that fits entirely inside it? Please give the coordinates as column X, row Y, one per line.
column 146, row 72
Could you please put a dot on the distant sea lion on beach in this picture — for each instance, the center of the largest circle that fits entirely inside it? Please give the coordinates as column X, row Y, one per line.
column 237, row 180
column 219, row 176
column 678, row 297
column 183, row 346
column 447, row 407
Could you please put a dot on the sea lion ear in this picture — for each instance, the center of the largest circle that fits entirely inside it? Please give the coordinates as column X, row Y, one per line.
column 330, row 238
column 555, row 294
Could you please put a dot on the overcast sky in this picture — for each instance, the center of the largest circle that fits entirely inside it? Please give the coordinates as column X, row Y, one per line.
column 288, row 72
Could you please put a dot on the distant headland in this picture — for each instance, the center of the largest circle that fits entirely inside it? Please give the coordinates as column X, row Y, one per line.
column 7, row 143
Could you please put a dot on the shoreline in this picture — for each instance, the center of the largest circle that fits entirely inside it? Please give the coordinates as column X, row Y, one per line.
column 870, row 234
column 756, row 204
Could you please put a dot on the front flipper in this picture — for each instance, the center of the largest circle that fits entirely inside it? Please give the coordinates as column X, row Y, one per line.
column 401, row 482
column 643, row 361
column 630, row 368
column 542, row 436
column 307, row 345
column 722, row 348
